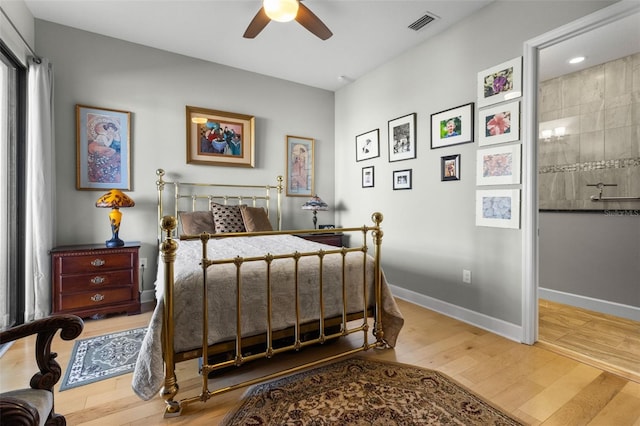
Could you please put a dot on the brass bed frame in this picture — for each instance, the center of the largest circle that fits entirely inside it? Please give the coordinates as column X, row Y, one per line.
column 236, row 350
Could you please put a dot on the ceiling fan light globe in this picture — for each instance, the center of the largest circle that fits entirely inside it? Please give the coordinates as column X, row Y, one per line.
column 281, row 10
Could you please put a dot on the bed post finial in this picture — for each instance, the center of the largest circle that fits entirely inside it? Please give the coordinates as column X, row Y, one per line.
column 377, row 218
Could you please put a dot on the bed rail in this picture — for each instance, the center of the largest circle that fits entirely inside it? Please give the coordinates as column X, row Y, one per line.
column 168, row 249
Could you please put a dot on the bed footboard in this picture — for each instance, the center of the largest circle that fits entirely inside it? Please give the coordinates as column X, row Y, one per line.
column 168, row 250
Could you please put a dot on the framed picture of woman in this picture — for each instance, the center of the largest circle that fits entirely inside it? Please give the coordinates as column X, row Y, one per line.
column 300, row 157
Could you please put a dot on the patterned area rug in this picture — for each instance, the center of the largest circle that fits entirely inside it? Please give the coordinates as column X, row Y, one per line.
column 361, row 391
column 102, row 357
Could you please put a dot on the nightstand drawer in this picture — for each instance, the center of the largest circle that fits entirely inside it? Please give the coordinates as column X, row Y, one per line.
column 94, row 280
column 75, row 283
column 94, row 298
column 95, row 262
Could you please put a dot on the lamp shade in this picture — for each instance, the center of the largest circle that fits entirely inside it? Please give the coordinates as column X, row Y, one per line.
column 115, row 199
column 281, row 10
column 315, row 203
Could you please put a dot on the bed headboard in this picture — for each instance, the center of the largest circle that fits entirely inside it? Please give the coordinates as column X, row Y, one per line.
column 176, row 197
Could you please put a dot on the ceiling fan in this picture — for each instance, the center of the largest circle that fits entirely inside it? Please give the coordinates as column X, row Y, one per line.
column 284, row 11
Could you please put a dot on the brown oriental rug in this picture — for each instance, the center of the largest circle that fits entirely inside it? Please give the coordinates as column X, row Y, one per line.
column 361, row 391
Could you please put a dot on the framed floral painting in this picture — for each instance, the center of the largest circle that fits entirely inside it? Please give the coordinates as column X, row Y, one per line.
column 499, row 208
column 500, row 83
column 500, row 124
column 498, row 165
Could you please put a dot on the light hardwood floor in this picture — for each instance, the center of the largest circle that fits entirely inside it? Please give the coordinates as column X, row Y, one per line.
column 530, row 382
column 601, row 340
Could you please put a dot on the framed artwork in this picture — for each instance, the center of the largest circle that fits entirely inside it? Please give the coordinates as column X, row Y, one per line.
column 402, row 138
column 368, row 145
column 500, row 83
column 402, row 179
column 300, row 158
column 103, row 148
column 498, row 166
column 450, row 167
column 219, row 138
column 452, row 127
column 499, row 124
column 498, row 208
column 368, row 177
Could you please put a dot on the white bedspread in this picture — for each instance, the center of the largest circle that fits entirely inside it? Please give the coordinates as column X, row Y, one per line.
column 148, row 376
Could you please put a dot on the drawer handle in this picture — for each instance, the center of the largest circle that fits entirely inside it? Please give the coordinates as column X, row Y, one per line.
column 97, row 280
column 98, row 262
column 97, row 297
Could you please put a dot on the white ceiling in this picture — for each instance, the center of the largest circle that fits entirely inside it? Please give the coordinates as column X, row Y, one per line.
column 608, row 42
column 366, row 34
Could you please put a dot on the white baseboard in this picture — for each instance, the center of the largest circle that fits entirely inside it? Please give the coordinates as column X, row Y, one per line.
column 494, row 325
column 147, row 296
column 598, row 305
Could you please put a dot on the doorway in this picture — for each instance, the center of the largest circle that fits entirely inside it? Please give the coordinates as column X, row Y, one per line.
column 534, row 222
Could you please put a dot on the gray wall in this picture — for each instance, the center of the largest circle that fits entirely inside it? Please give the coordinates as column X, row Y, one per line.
column 430, row 233
column 156, row 86
column 595, row 255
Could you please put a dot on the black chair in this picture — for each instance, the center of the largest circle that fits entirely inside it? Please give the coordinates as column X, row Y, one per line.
column 34, row 405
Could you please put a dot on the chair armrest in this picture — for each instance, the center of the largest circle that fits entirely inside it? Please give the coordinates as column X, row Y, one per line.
column 70, row 327
column 18, row 412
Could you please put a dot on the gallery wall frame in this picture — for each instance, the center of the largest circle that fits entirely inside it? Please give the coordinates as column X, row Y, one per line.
column 368, row 177
column 402, row 179
column 402, row 138
column 300, row 158
column 103, row 148
column 368, row 145
column 498, row 165
column 453, row 126
column 499, row 208
column 450, row 167
column 220, row 138
column 500, row 83
column 499, row 124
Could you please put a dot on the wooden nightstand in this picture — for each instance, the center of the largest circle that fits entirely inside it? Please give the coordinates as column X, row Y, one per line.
column 92, row 279
column 332, row 239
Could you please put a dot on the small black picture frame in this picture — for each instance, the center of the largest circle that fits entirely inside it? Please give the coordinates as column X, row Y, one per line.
column 368, row 177
column 402, row 179
column 450, row 167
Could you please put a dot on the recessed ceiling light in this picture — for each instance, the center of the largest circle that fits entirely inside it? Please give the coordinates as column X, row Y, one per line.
column 577, row 60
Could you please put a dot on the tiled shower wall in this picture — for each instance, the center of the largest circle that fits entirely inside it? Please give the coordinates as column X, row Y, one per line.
column 599, row 109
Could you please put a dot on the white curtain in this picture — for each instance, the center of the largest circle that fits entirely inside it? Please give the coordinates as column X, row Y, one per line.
column 40, row 187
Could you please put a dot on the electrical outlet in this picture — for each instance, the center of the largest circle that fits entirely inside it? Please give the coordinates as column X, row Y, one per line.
column 466, row 276
column 143, row 263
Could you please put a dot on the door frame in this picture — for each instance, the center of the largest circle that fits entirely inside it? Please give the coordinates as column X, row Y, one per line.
column 530, row 222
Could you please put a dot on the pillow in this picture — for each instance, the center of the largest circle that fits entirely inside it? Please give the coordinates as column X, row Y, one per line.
column 255, row 219
column 227, row 218
column 197, row 222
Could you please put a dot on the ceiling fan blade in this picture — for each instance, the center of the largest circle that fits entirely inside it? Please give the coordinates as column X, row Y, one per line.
column 257, row 24
column 310, row 21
